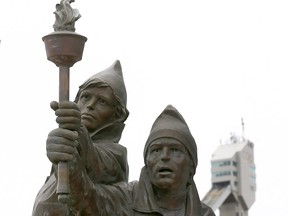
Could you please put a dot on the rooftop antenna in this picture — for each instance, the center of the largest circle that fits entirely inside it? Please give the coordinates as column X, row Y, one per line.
column 242, row 122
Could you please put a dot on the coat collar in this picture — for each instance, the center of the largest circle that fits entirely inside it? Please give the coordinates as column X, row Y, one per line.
column 111, row 132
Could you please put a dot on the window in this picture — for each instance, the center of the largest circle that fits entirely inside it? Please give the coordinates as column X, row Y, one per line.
column 221, row 163
column 223, row 173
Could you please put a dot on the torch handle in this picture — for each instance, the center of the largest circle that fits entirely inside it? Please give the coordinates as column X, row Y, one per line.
column 63, row 182
column 63, row 169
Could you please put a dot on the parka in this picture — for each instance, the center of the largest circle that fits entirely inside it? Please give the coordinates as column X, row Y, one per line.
column 103, row 158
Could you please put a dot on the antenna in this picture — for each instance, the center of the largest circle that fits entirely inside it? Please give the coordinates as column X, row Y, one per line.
column 242, row 122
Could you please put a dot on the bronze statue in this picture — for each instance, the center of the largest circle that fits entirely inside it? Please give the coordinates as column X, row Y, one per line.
column 92, row 126
column 89, row 175
column 165, row 186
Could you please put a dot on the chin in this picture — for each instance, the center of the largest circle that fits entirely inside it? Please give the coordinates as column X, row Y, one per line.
column 88, row 125
column 164, row 184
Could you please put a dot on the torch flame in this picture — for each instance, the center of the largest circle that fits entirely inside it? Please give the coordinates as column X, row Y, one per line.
column 66, row 16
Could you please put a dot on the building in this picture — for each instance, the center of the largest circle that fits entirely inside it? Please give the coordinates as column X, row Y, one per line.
column 233, row 178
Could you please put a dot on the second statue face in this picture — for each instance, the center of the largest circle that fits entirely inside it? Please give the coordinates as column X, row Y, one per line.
column 169, row 165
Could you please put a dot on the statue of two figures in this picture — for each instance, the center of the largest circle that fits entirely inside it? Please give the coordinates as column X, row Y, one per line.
column 87, row 141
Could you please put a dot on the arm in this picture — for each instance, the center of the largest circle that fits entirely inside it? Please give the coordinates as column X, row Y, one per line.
column 86, row 197
column 90, row 199
column 105, row 162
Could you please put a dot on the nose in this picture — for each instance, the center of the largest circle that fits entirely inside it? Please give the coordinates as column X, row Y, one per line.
column 165, row 154
column 91, row 103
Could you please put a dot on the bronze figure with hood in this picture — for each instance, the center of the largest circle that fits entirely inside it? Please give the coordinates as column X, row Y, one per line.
column 103, row 158
column 165, row 187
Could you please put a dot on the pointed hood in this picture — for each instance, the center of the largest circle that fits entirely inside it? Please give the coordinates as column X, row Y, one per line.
column 113, row 77
column 171, row 124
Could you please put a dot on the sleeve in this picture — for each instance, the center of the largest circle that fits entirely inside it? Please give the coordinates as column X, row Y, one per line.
column 104, row 162
column 91, row 199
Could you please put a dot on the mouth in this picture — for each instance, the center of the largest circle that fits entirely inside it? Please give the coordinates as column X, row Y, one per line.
column 89, row 116
column 165, row 171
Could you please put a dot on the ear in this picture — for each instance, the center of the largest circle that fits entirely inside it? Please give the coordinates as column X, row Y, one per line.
column 191, row 171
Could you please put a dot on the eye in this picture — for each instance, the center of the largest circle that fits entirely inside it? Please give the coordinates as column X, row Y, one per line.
column 175, row 150
column 102, row 102
column 85, row 96
column 155, row 150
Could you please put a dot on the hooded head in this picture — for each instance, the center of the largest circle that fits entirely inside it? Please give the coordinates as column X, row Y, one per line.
column 171, row 124
column 113, row 77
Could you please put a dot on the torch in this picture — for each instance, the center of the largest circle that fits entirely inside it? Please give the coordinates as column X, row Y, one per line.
column 64, row 48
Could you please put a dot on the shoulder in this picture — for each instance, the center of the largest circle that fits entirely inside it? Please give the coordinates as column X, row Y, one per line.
column 114, row 148
column 127, row 187
column 118, row 196
column 206, row 210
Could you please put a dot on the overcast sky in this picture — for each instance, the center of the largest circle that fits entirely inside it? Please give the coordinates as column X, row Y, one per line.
column 215, row 61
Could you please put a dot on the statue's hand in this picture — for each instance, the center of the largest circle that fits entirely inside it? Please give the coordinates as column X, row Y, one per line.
column 61, row 145
column 68, row 114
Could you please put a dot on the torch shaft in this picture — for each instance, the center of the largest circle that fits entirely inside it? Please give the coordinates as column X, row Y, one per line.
column 64, row 47
column 63, row 169
column 64, row 77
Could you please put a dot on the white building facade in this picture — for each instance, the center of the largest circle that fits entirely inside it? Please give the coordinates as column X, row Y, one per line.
column 233, row 178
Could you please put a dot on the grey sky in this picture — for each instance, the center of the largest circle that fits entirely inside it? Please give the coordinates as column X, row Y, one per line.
column 215, row 61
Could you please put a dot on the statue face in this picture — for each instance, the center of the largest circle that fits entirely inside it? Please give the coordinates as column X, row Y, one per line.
column 169, row 165
column 97, row 107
